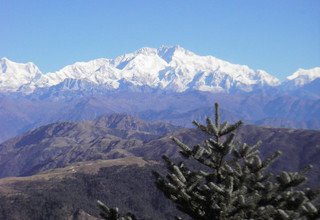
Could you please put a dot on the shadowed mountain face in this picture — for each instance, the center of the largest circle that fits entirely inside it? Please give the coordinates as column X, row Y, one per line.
column 63, row 168
column 72, row 192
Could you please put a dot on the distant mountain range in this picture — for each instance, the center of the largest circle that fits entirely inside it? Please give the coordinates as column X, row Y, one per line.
column 167, row 68
column 169, row 84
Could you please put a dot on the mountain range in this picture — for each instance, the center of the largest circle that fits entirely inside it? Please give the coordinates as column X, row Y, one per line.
column 169, row 84
column 167, row 68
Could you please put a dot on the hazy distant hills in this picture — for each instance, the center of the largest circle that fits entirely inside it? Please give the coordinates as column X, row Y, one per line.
column 19, row 114
column 67, row 166
column 169, row 83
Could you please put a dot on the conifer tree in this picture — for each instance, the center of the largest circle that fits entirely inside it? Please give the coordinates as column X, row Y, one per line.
column 235, row 182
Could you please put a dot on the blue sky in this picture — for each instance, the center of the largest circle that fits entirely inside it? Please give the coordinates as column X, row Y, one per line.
column 276, row 36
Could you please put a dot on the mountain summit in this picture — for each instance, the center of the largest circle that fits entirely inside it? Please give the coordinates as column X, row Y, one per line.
column 302, row 77
column 14, row 75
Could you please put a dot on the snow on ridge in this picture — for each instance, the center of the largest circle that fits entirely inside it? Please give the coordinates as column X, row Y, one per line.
column 168, row 68
column 309, row 73
column 301, row 77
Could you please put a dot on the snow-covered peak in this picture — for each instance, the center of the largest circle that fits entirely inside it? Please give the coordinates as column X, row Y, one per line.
column 305, row 76
column 8, row 66
column 92, row 71
column 14, row 75
column 301, row 77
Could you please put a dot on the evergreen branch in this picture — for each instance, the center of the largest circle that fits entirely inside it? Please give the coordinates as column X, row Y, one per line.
column 186, row 151
column 113, row 213
column 230, row 128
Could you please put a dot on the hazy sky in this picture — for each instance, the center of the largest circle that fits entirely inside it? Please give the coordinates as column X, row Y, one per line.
column 276, row 36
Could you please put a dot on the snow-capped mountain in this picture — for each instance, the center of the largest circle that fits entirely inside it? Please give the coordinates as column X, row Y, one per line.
column 14, row 75
column 301, row 78
column 168, row 68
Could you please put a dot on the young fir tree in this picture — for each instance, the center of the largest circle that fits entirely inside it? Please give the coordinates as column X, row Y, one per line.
column 235, row 184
